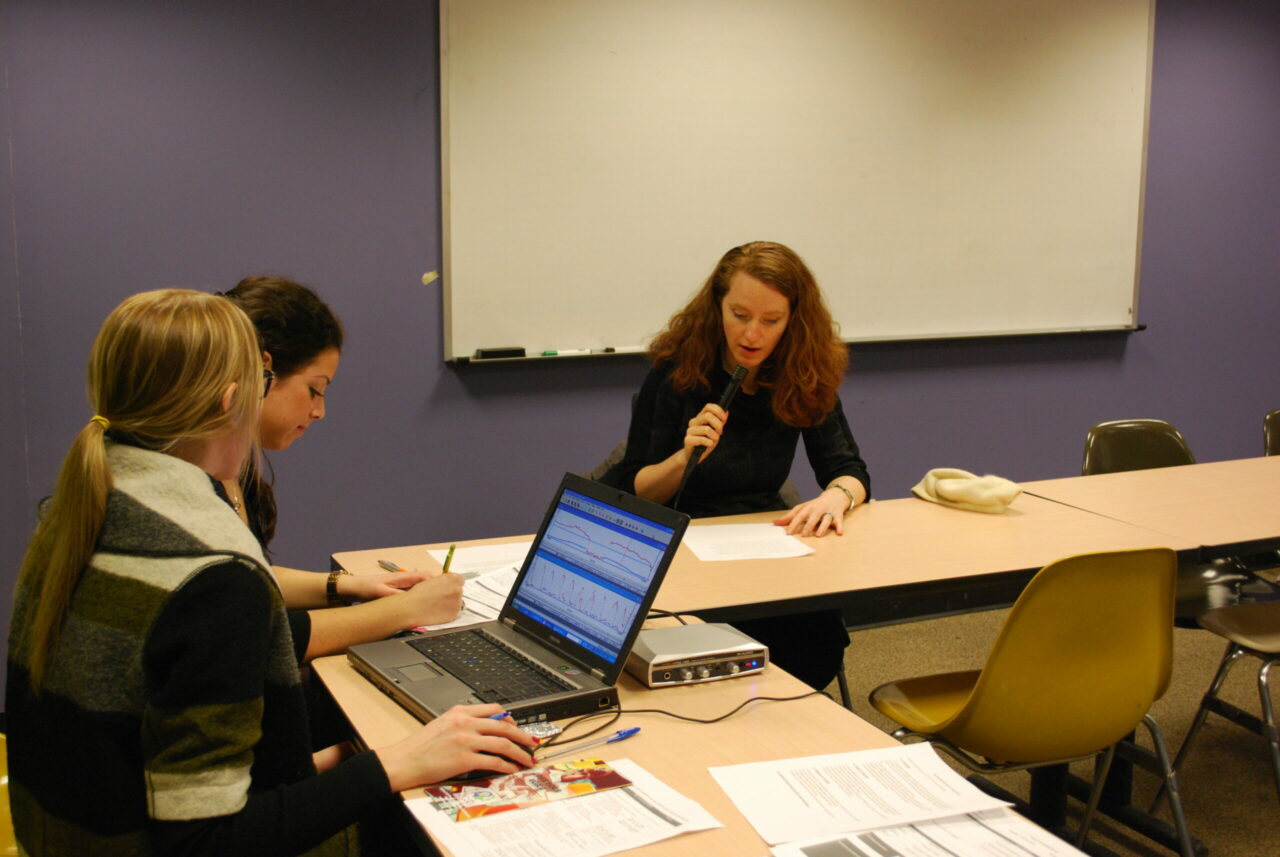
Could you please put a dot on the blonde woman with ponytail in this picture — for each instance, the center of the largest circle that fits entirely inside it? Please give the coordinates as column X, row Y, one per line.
column 153, row 702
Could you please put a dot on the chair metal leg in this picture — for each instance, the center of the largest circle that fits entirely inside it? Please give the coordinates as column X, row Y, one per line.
column 1170, row 776
column 1099, row 780
column 1269, row 731
column 1232, row 654
column 843, row 681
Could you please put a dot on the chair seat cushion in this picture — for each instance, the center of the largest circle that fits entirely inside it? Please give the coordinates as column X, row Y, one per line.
column 925, row 703
column 1254, row 626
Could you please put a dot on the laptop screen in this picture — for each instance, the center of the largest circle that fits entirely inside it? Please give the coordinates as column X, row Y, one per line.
column 591, row 573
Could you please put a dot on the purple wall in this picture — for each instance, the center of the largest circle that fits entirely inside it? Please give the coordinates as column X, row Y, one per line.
column 154, row 144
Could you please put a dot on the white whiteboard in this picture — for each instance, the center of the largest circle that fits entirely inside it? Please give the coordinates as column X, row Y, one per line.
column 946, row 167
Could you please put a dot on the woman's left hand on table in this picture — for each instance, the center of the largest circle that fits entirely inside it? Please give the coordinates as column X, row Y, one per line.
column 817, row 517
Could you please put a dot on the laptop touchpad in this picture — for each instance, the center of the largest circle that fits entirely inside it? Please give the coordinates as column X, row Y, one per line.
column 418, row 672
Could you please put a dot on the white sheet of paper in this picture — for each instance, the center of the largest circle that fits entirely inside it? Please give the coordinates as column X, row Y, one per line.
column 716, row 542
column 589, row 826
column 793, row 799
column 991, row 833
column 489, row 591
column 481, row 559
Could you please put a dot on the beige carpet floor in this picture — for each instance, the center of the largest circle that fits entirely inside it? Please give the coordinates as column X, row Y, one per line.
column 1228, row 789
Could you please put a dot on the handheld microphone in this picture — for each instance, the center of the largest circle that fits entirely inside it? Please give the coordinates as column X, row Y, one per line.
column 730, row 390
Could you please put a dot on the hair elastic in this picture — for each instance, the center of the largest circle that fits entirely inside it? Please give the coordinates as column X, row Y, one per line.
column 101, row 420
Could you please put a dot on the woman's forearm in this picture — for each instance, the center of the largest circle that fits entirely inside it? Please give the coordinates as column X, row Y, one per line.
column 658, row 482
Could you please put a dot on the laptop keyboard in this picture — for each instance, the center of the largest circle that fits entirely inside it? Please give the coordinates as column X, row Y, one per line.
column 495, row 671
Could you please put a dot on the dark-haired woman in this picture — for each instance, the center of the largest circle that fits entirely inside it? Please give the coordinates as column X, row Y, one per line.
column 762, row 309
column 301, row 341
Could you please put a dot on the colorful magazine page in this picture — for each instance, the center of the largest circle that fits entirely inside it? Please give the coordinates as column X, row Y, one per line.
column 479, row 798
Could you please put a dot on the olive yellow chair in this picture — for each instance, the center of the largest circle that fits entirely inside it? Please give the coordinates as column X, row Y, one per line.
column 8, row 845
column 1082, row 655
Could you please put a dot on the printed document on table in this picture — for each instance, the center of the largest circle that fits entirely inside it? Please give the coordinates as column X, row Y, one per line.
column 990, row 833
column 589, row 826
column 743, row 541
column 795, row 799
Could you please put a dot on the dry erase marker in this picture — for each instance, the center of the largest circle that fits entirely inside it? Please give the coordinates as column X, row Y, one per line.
column 448, row 558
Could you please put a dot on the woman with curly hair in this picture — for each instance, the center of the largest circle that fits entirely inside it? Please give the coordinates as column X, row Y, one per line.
column 762, row 309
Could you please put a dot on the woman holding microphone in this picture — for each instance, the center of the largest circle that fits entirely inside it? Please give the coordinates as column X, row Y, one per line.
column 760, row 309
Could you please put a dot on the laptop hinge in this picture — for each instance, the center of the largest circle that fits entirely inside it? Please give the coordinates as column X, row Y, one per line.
column 598, row 674
column 509, row 622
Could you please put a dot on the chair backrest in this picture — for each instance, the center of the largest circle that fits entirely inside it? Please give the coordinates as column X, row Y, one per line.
column 603, row 472
column 1271, row 432
column 1120, row 445
column 1082, row 655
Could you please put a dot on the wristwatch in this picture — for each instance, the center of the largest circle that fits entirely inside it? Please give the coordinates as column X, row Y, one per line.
column 331, row 587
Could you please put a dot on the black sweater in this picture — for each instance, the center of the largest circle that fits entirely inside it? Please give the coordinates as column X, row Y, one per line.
column 753, row 458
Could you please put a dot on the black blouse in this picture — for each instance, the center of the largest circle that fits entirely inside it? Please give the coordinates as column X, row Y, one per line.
column 753, row 458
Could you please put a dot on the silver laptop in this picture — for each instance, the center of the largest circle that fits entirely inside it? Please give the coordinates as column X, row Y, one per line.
column 567, row 627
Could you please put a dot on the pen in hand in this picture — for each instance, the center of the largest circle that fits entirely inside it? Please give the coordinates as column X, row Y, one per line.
column 448, row 558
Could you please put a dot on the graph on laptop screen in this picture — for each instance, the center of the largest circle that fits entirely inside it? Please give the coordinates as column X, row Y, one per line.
column 591, row 571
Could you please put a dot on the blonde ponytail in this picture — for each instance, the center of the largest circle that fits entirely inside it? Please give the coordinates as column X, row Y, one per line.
column 62, row 544
column 157, row 373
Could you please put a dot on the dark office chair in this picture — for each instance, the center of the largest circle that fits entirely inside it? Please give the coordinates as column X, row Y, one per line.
column 1251, row 630
column 604, row 472
column 1121, row 445
column 1266, row 565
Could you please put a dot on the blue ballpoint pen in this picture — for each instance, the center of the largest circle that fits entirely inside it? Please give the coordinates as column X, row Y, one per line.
column 620, row 735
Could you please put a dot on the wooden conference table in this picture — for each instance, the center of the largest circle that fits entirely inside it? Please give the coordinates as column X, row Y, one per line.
column 1229, row 507
column 897, row 559
column 904, row 558
column 676, row 752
